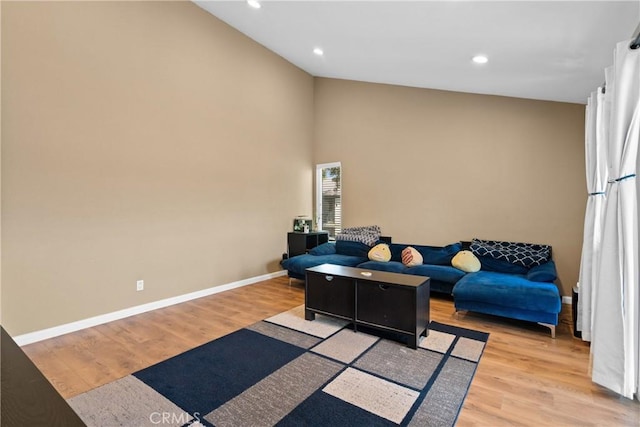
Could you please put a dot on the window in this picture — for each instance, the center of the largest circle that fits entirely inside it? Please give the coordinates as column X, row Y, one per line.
column 329, row 198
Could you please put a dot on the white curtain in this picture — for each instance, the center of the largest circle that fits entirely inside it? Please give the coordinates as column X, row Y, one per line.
column 596, row 133
column 615, row 328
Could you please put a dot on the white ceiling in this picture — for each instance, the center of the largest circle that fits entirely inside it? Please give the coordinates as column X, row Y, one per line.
column 548, row 50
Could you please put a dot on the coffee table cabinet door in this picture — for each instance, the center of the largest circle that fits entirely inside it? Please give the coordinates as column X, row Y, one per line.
column 384, row 305
column 331, row 294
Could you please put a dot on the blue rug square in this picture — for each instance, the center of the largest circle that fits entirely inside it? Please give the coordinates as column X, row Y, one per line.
column 322, row 409
column 205, row 377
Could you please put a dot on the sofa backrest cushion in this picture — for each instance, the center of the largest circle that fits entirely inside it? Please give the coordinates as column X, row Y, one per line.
column 524, row 254
column 436, row 255
column 543, row 273
column 324, row 249
column 346, row 247
column 500, row 266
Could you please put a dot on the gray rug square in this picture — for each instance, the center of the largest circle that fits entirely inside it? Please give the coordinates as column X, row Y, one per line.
column 127, row 402
column 285, row 334
column 437, row 341
column 469, row 349
column 345, row 346
column 269, row 400
column 440, row 406
column 399, row 363
column 322, row 327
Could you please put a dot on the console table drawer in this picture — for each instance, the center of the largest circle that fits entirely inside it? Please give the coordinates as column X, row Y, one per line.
column 331, row 294
column 384, row 305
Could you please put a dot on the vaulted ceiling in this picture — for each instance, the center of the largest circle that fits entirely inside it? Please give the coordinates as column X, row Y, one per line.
column 548, row 50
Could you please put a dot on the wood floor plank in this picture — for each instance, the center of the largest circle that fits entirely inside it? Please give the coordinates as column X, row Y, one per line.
column 525, row 378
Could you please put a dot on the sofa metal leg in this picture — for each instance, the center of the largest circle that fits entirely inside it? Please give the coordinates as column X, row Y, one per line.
column 552, row 327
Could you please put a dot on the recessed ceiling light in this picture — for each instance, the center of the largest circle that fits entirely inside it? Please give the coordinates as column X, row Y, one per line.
column 254, row 4
column 480, row 59
column 318, row 51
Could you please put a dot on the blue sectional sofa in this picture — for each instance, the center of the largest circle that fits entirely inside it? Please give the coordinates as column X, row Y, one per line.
column 503, row 287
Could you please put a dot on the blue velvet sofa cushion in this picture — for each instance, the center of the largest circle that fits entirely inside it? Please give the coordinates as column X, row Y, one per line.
column 500, row 266
column 435, row 255
column 324, row 249
column 507, row 290
column 543, row 273
column 298, row 264
column 442, row 273
column 390, row 266
column 358, row 249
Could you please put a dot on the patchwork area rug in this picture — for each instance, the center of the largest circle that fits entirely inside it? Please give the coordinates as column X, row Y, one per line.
column 287, row 371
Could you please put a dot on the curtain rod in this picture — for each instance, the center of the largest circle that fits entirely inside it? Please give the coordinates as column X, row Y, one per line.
column 635, row 44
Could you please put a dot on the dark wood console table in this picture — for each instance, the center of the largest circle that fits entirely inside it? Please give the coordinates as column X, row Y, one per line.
column 386, row 301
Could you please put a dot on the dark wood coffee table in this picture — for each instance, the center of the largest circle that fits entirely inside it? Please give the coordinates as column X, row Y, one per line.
column 379, row 299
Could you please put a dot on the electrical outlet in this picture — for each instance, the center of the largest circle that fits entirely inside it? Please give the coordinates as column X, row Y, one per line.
column 140, row 285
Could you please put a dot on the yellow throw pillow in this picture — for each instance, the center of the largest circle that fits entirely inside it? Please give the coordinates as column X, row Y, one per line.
column 411, row 257
column 380, row 252
column 466, row 261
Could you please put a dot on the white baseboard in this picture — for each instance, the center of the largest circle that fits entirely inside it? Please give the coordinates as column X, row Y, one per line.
column 44, row 334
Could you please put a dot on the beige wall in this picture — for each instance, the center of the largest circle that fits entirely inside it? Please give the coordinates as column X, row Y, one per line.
column 148, row 140
column 141, row 140
column 434, row 167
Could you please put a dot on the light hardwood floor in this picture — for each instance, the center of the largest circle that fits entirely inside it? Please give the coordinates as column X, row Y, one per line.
column 524, row 377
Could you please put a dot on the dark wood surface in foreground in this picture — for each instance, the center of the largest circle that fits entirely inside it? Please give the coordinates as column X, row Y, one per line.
column 28, row 399
column 524, row 378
